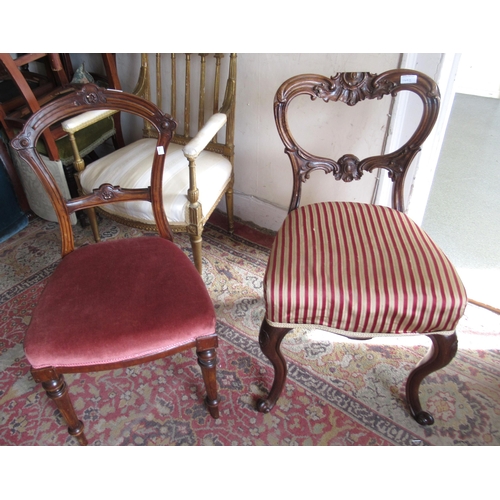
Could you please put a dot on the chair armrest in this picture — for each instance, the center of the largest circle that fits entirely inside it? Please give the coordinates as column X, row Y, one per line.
column 79, row 122
column 198, row 143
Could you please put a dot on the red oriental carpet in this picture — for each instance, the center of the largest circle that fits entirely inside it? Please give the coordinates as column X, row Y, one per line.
column 338, row 392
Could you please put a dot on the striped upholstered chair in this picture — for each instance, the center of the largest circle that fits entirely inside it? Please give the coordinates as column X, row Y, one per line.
column 355, row 269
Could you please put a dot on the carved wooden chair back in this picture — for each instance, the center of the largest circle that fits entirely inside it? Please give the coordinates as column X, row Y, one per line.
column 121, row 302
column 351, row 89
column 93, row 98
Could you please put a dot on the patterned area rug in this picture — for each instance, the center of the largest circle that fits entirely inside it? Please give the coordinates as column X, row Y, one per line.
column 338, row 392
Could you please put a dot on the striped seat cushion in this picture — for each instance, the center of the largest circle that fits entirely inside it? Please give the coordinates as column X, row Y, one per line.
column 130, row 167
column 361, row 271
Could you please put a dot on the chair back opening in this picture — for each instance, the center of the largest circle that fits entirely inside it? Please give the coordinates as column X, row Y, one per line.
column 92, row 98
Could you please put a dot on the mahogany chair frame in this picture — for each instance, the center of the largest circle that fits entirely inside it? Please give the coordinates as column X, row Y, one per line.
column 81, row 99
column 351, row 88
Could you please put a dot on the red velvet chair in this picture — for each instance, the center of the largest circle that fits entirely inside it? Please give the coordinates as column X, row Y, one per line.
column 355, row 269
column 116, row 303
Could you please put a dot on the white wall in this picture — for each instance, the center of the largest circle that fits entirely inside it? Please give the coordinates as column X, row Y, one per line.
column 262, row 170
column 478, row 75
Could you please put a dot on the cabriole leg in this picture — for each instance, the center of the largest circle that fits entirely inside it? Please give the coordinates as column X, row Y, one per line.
column 441, row 352
column 270, row 338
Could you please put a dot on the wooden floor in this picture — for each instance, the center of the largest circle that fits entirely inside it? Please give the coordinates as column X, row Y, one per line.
column 463, row 212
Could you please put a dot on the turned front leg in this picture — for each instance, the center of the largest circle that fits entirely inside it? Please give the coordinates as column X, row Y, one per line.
column 57, row 390
column 208, row 362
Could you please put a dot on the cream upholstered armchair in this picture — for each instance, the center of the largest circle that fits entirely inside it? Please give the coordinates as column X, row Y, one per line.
column 199, row 165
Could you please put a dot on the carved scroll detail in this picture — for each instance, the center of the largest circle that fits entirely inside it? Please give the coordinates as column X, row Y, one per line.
column 347, row 169
column 107, row 192
column 91, row 94
column 23, row 140
column 168, row 125
column 352, row 88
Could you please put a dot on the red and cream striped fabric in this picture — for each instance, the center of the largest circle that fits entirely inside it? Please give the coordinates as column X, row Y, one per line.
column 361, row 271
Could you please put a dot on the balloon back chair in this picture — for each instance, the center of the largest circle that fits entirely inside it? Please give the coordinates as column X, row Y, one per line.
column 121, row 302
column 355, row 269
column 200, row 159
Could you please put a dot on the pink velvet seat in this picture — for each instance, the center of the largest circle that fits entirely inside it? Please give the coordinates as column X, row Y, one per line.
column 352, row 268
column 114, row 315
column 121, row 302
